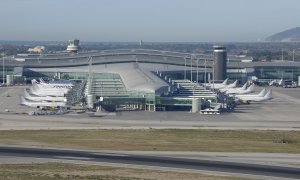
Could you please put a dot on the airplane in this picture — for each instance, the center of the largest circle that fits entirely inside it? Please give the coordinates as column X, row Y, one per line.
column 233, row 88
column 44, row 98
column 34, row 81
column 276, row 82
column 260, row 94
column 57, row 84
column 242, row 90
column 40, row 90
column 43, row 104
column 216, row 85
column 249, row 99
column 233, row 85
column 280, row 82
column 54, row 84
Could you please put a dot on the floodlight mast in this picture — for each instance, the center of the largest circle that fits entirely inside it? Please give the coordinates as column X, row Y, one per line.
column 293, row 55
column 3, row 66
column 205, row 71
column 185, row 68
column 191, row 68
column 197, row 78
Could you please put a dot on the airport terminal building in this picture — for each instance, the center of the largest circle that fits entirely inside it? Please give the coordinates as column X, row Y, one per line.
column 142, row 78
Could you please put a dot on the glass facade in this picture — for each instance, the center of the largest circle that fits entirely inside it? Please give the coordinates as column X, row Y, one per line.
column 278, row 73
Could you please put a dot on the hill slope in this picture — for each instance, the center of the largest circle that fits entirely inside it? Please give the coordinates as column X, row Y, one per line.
column 290, row 35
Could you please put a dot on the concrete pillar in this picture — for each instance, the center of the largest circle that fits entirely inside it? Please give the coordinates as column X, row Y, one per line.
column 196, row 105
column 90, row 101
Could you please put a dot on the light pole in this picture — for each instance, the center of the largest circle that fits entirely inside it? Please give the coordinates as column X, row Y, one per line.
column 101, row 96
column 213, row 73
column 191, row 68
column 185, row 68
column 194, row 86
column 3, row 79
column 101, row 92
column 213, row 65
column 293, row 55
column 197, row 70
column 282, row 54
column 205, row 71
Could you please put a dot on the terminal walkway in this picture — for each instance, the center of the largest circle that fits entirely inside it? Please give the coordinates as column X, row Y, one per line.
column 186, row 88
column 106, row 87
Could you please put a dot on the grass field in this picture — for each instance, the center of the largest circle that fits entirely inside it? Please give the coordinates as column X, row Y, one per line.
column 159, row 140
column 49, row 171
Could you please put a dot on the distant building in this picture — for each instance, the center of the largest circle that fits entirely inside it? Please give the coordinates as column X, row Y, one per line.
column 73, row 45
column 37, row 49
column 241, row 58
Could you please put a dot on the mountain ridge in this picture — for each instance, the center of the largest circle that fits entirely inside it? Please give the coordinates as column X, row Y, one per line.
column 290, row 35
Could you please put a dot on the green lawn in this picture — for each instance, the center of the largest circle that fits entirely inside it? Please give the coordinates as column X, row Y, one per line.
column 159, row 140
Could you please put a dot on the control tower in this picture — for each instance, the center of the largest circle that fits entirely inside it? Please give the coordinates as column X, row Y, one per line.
column 73, row 45
column 220, row 62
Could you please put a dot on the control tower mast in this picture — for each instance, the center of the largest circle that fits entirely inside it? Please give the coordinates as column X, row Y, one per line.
column 220, row 62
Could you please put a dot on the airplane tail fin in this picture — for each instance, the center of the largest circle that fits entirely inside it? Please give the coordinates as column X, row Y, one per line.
column 23, row 101
column 245, row 86
column 269, row 94
column 280, row 82
column 33, row 81
column 262, row 92
column 225, row 81
column 251, row 88
column 26, row 94
column 42, row 81
column 234, row 84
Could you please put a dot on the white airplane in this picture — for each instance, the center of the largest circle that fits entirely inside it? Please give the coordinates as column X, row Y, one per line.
column 57, row 84
column 233, row 85
column 260, row 94
column 41, row 90
column 52, row 87
column 248, row 99
column 242, row 90
column 43, row 104
column 217, row 85
column 276, row 82
column 44, row 98
column 233, row 88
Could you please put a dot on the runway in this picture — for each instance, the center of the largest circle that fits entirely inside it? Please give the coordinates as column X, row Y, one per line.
column 155, row 161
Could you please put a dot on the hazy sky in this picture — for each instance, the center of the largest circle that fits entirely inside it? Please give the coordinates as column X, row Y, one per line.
column 147, row 20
